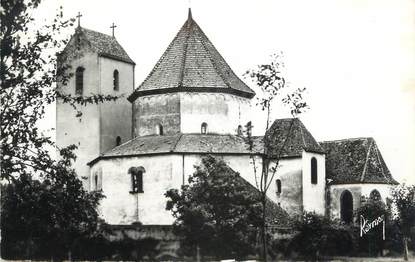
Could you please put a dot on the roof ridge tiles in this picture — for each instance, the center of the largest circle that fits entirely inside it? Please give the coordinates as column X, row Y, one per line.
column 215, row 66
column 346, row 139
column 362, row 178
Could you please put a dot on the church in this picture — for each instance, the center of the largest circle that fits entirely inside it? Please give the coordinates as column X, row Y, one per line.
column 192, row 104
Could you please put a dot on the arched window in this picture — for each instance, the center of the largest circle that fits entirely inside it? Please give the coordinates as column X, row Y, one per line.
column 159, row 130
column 79, row 81
column 313, row 170
column 278, row 183
column 96, row 181
column 375, row 195
column 346, row 206
column 203, row 128
column 240, row 130
column 136, row 179
column 249, row 128
column 118, row 141
column 116, row 80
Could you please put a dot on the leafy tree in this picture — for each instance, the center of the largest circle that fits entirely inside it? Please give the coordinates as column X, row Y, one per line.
column 37, row 183
column 273, row 86
column 28, row 72
column 403, row 197
column 46, row 218
column 372, row 240
column 318, row 235
column 218, row 212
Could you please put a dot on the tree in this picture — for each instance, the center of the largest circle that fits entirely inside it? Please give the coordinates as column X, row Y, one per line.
column 46, row 218
column 273, row 86
column 372, row 209
column 403, row 197
column 318, row 235
column 218, row 212
column 28, row 73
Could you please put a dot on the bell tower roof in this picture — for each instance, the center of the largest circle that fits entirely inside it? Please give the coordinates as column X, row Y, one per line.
column 105, row 45
column 191, row 63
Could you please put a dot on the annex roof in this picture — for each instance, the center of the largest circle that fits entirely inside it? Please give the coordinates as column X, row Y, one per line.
column 355, row 160
column 183, row 143
column 191, row 63
column 299, row 140
column 288, row 137
column 275, row 215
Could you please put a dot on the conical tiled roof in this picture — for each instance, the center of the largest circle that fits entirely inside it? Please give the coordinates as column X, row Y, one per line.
column 355, row 160
column 191, row 63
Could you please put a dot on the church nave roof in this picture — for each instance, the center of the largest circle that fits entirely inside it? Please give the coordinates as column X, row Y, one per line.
column 355, row 160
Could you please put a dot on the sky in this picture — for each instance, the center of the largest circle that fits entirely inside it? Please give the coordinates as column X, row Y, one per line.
column 356, row 58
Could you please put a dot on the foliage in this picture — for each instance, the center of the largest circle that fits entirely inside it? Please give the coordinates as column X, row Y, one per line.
column 270, row 79
column 28, row 74
column 42, row 200
column 318, row 235
column 47, row 217
column 403, row 197
column 216, row 212
column 371, row 242
column 101, row 248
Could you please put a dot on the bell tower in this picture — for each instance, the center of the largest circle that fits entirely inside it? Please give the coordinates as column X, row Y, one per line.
column 99, row 66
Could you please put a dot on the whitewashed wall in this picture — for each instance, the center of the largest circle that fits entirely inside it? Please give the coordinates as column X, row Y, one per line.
column 357, row 190
column 222, row 112
column 314, row 194
column 82, row 132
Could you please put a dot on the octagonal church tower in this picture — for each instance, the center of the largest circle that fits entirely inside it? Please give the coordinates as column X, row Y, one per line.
column 191, row 89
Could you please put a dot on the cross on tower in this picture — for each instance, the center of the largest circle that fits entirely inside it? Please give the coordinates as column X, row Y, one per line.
column 113, row 27
column 79, row 18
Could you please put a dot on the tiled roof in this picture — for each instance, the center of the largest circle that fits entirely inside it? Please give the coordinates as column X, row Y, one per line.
column 105, row 45
column 183, row 143
column 192, row 63
column 275, row 215
column 288, row 137
column 355, row 160
column 220, row 144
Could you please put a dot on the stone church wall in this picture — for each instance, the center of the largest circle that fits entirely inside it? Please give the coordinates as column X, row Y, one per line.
column 291, row 196
column 115, row 117
column 222, row 112
column 82, row 131
column 163, row 172
column 357, row 191
column 314, row 194
column 122, row 207
column 150, row 111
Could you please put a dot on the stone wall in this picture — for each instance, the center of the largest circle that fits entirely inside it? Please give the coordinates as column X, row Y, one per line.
column 115, row 117
column 222, row 112
column 82, row 131
column 163, row 172
column 314, row 194
column 357, row 190
column 150, row 111
column 291, row 196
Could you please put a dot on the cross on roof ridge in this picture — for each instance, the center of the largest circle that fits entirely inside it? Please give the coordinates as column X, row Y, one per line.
column 113, row 26
column 79, row 15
